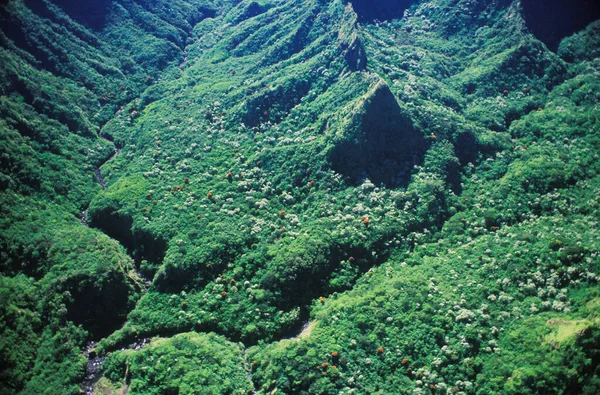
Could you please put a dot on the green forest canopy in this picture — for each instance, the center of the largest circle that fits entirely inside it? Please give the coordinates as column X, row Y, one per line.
column 288, row 197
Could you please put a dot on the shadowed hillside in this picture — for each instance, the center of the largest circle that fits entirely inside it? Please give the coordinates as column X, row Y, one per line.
column 551, row 21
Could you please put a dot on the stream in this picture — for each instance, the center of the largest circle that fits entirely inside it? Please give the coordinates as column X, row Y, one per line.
column 93, row 369
column 305, row 327
column 94, row 364
column 248, row 370
column 99, row 179
column 98, row 173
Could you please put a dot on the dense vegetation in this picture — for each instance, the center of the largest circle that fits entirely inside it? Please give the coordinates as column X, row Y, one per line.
column 292, row 196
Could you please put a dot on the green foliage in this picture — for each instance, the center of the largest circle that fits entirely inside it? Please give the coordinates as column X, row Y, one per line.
column 582, row 45
column 419, row 191
column 20, row 335
column 188, row 363
column 59, row 365
column 534, row 364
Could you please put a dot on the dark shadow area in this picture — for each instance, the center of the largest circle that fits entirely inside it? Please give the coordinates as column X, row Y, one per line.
column 140, row 244
column 253, row 9
column 100, row 308
column 90, row 13
column 381, row 10
column 466, row 148
column 552, row 20
column 316, row 274
column 383, row 146
column 15, row 30
column 189, row 274
column 355, row 54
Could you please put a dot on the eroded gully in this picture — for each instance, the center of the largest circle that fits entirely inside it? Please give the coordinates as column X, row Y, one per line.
column 94, row 362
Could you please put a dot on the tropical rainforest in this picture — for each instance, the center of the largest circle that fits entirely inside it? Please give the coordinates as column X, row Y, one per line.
column 299, row 197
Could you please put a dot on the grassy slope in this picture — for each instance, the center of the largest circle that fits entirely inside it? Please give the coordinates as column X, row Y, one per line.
column 224, row 193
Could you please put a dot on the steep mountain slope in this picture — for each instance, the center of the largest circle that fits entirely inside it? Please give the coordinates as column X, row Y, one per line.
column 353, row 198
column 60, row 84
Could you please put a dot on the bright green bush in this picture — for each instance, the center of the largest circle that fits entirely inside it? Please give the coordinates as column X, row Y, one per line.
column 188, row 363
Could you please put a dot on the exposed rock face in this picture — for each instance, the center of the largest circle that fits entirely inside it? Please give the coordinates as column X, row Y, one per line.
column 552, row 20
column 380, row 142
column 382, row 10
column 355, row 54
column 350, row 41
